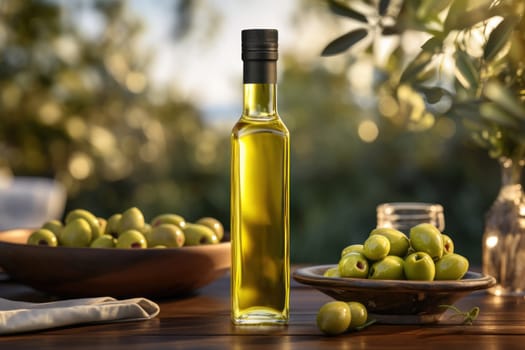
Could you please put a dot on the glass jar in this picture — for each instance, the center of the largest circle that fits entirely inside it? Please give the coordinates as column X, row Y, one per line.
column 404, row 215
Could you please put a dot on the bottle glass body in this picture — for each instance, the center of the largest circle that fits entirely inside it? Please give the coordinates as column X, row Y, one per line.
column 504, row 234
column 260, row 284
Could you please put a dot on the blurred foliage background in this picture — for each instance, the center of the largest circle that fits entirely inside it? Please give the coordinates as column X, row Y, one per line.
column 82, row 110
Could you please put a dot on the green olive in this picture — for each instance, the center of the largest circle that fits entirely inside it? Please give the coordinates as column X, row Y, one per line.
column 334, row 317
column 332, row 272
column 376, row 247
column 113, row 225
column 43, row 237
column 132, row 219
column 214, row 224
column 448, row 244
column 54, row 226
column 166, row 235
column 358, row 313
column 427, row 238
column 389, row 268
column 352, row 248
column 131, row 239
column 399, row 242
column 451, row 267
column 77, row 233
column 104, row 241
column 173, row 219
column 196, row 234
column 419, row 266
column 353, row 264
column 90, row 219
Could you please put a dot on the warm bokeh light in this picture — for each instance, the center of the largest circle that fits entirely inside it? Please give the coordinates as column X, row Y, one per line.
column 80, row 166
column 49, row 113
column 491, row 241
column 368, row 131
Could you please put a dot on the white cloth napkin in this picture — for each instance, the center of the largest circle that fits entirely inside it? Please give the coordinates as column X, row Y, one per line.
column 17, row 317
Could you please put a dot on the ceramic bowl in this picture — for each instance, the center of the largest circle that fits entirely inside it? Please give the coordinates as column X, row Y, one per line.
column 84, row 272
column 395, row 301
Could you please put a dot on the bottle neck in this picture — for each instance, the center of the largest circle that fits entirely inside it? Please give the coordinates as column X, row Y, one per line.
column 259, row 100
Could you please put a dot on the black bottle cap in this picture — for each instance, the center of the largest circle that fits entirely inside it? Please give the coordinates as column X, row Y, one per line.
column 259, row 44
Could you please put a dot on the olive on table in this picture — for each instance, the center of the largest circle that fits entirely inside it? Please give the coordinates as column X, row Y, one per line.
column 334, row 317
column 358, row 314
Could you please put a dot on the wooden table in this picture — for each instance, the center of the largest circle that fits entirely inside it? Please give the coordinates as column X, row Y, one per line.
column 202, row 321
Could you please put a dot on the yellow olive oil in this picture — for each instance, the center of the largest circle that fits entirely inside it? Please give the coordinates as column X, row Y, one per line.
column 260, row 280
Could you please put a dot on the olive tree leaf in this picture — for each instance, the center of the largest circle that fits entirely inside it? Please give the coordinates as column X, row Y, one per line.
column 415, row 67
column 391, row 30
column 434, row 44
column 346, row 11
column 466, row 73
column 492, row 112
column 435, row 6
column 499, row 37
column 344, row 42
column 459, row 17
column 383, row 6
column 499, row 93
column 456, row 11
column 467, row 111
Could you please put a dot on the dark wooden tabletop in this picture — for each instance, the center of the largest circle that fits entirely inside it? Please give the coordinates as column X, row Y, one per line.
column 202, row 321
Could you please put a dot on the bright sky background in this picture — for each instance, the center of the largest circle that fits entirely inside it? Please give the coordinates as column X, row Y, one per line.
column 210, row 72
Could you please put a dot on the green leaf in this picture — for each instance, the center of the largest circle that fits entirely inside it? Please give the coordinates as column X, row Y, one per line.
column 456, row 11
column 435, row 6
column 346, row 11
column 383, row 6
column 459, row 18
column 499, row 37
column 433, row 45
column 466, row 73
column 500, row 94
column 415, row 67
column 491, row 111
column 344, row 42
column 390, row 30
column 468, row 110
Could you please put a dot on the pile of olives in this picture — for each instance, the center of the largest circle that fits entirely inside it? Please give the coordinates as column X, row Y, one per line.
column 426, row 255
column 128, row 229
column 337, row 317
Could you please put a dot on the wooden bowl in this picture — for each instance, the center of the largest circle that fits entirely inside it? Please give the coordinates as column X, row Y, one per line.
column 84, row 272
column 395, row 301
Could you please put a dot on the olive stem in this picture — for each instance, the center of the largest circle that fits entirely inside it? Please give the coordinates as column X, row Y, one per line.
column 468, row 316
column 366, row 324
